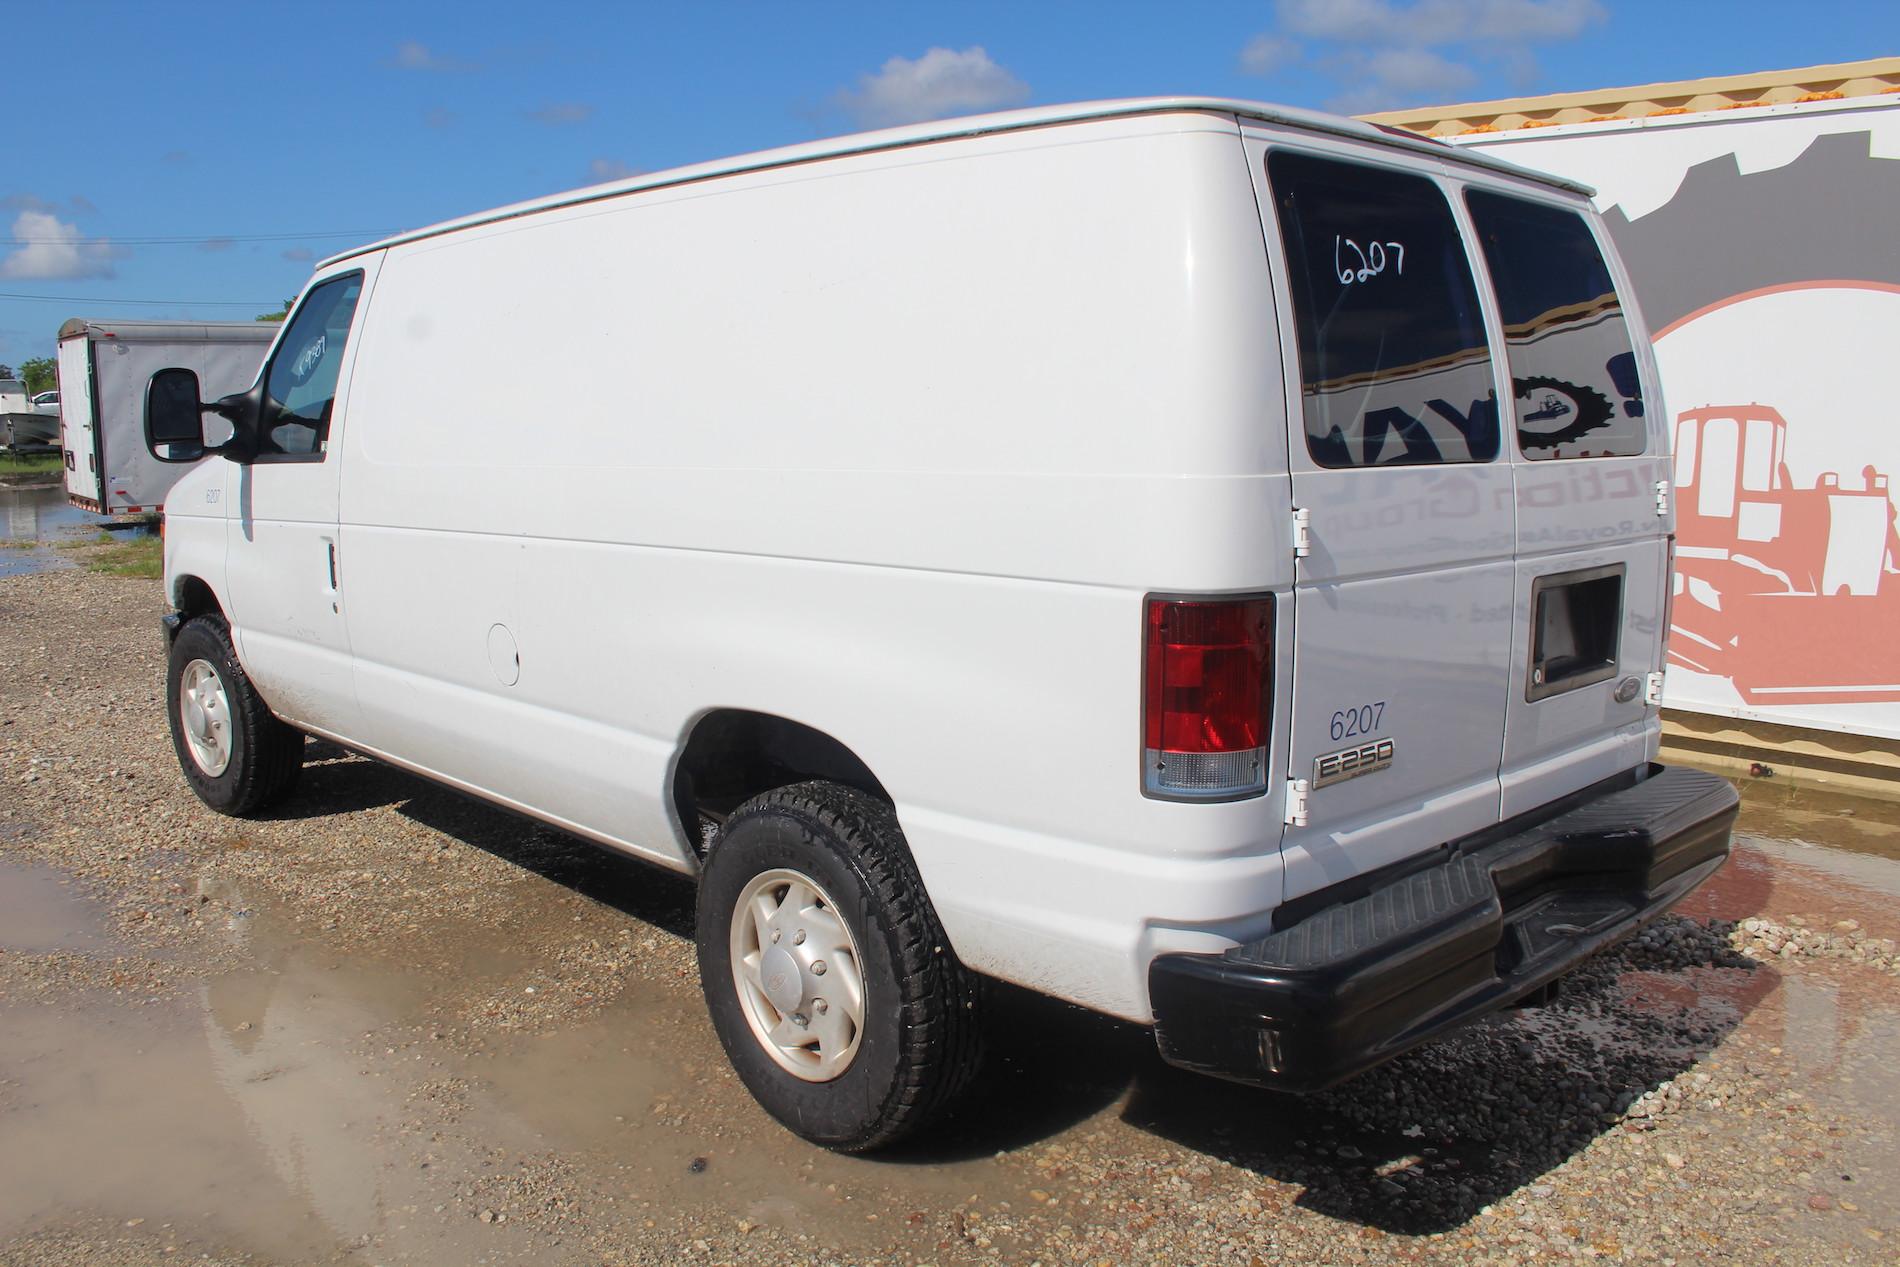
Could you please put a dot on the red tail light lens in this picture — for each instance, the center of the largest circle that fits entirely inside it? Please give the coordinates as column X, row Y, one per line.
column 1207, row 696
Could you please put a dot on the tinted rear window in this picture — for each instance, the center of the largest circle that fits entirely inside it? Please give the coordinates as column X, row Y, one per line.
column 1394, row 369
column 1572, row 367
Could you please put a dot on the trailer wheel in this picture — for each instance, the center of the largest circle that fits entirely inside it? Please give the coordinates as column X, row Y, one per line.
column 237, row 756
column 830, row 983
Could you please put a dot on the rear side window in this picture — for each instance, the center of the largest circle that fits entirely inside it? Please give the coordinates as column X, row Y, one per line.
column 1573, row 370
column 1394, row 369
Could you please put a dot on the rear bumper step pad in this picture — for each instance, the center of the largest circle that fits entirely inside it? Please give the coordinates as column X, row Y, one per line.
column 1358, row 982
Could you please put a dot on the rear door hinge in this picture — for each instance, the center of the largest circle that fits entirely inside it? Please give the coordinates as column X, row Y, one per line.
column 1297, row 793
column 1652, row 693
column 1662, row 498
column 1302, row 532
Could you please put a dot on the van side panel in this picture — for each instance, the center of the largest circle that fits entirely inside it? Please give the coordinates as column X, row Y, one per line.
column 890, row 445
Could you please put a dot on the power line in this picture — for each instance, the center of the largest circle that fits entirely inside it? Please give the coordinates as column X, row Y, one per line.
column 364, row 234
column 151, row 303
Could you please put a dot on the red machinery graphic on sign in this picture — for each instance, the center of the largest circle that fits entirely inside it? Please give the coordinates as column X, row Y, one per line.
column 1791, row 593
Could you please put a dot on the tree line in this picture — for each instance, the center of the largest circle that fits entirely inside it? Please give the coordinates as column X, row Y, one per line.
column 39, row 373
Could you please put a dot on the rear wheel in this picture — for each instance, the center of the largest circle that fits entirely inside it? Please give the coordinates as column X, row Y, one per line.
column 828, row 978
column 237, row 756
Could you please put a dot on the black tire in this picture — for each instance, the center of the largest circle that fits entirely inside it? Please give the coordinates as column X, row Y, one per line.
column 921, row 1039
column 266, row 756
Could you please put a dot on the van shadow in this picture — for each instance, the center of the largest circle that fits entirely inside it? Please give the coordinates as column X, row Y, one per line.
column 1422, row 1143
column 1418, row 1145
column 337, row 782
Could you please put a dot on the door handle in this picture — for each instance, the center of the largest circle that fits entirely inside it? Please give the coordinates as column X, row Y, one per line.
column 330, row 547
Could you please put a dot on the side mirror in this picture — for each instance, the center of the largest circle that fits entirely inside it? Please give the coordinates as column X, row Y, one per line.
column 174, row 419
column 174, row 416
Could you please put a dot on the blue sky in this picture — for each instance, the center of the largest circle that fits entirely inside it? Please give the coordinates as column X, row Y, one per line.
column 194, row 152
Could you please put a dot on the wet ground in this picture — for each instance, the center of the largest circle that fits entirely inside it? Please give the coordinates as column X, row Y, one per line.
column 36, row 521
column 392, row 1025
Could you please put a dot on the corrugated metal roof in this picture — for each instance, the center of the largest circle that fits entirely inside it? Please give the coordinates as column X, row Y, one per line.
column 975, row 125
column 1839, row 81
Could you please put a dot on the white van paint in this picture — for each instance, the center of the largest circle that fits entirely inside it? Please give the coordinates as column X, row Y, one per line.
column 893, row 437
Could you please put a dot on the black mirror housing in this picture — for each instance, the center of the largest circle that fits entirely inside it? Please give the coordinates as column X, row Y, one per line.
column 174, row 416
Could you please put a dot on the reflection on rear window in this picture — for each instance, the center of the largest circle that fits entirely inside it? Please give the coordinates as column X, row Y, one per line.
column 1572, row 368
column 1393, row 363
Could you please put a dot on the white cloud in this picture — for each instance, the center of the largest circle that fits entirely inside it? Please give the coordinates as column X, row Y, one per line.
column 602, row 169
column 1265, row 53
column 1391, row 77
column 1428, row 22
column 941, row 83
column 413, row 55
column 54, row 250
column 1385, row 53
column 300, row 255
column 561, row 113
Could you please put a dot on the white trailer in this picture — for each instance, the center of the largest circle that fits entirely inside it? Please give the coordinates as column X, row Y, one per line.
column 103, row 369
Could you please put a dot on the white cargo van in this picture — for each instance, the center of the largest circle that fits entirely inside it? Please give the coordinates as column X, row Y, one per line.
column 1199, row 560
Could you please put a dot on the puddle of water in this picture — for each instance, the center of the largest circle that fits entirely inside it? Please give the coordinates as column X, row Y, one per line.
column 40, row 912
column 116, row 1112
column 1866, row 1082
column 34, row 520
column 1846, row 838
column 1835, row 820
column 320, row 1101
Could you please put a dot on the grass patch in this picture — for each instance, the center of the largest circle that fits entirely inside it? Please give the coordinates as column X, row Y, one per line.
column 30, row 463
column 100, row 538
column 142, row 557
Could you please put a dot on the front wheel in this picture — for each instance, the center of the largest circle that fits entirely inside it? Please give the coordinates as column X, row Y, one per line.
column 830, row 982
column 237, row 756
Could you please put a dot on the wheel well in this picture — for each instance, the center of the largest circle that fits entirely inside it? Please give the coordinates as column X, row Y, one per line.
column 733, row 755
column 192, row 597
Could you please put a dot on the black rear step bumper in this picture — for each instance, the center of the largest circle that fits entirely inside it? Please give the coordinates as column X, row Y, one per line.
column 1489, row 924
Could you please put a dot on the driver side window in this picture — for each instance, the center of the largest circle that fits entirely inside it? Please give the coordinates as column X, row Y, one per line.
column 300, row 386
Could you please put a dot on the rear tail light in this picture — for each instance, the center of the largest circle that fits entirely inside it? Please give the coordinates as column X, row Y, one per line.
column 1207, row 693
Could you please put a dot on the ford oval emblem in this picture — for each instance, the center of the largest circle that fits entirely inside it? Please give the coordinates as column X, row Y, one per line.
column 1627, row 690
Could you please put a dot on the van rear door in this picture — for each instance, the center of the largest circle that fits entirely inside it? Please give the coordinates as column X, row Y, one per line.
column 1589, row 458
column 1402, row 611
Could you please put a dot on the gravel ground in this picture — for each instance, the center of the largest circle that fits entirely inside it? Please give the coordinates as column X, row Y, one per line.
column 389, row 1024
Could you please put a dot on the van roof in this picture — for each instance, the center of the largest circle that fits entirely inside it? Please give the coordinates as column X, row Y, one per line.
column 977, row 125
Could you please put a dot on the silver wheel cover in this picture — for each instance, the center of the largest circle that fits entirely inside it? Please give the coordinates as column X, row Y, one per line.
column 798, row 975
column 204, row 714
